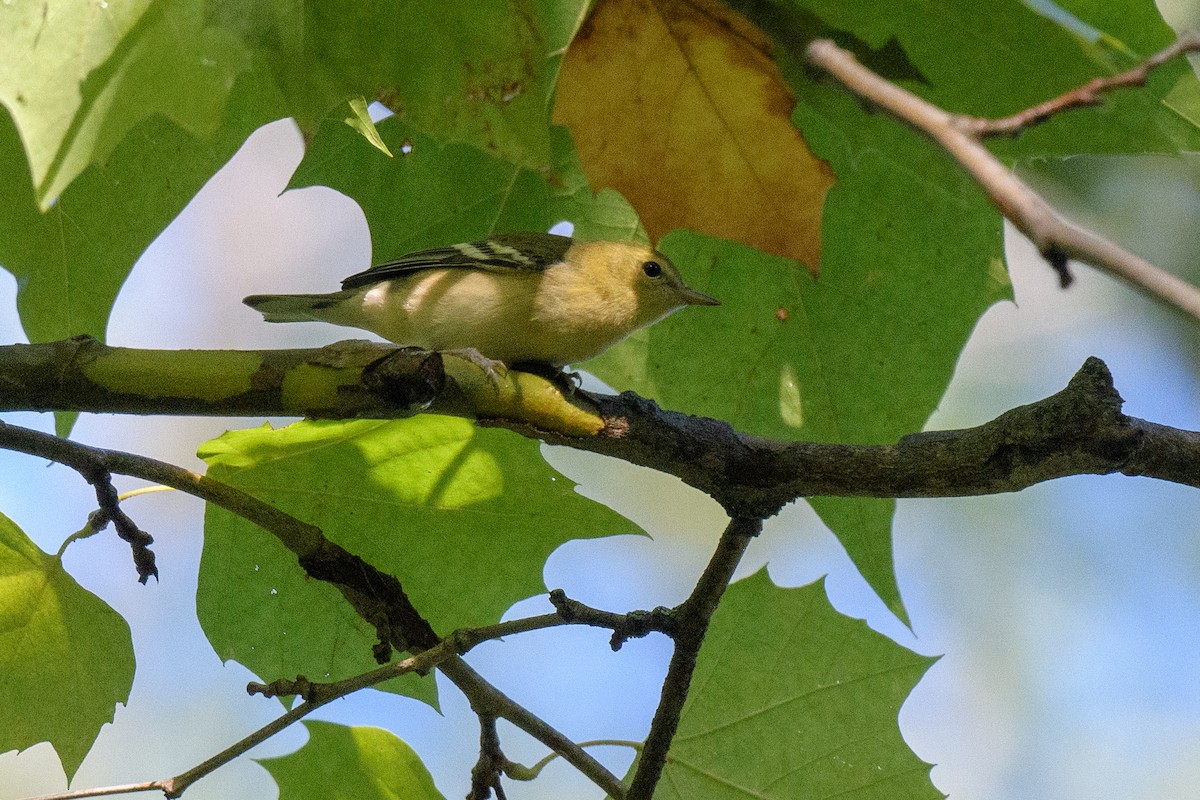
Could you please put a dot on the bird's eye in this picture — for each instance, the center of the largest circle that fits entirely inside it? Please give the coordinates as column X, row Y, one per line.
column 652, row 269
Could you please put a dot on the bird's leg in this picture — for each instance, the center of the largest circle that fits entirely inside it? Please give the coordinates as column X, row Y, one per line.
column 488, row 365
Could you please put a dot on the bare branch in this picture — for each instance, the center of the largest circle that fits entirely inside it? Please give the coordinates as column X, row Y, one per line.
column 693, row 617
column 316, row 695
column 344, row 380
column 1080, row 430
column 1077, row 431
column 1090, row 94
column 632, row 625
column 104, row 791
column 1057, row 238
column 485, row 776
column 376, row 596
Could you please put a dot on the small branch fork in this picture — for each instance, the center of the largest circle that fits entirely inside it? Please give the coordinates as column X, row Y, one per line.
column 1058, row 239
column 1090, row 94
column 316, row 695
column 376, row 596
column 686, row 623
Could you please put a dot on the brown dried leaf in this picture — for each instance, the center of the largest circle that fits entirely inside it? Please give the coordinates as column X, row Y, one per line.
column 680, row 106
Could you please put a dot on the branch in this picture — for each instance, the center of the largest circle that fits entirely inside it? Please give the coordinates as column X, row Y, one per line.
column 1057, row 238
column 345, row 380
column 485, row 775
column 1080, row 430
column 496, row 704
column 316, row 696
column 376, row 596
column 631, row 625
column 1090, row 94
column 692, row 617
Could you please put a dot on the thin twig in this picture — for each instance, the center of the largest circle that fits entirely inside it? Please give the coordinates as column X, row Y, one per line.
column 177, row 785
column 631, row 625
column 376, row 596
column 108, row 500
column 693, row 615
column 103, row 791
column 496, row 703
column 1056, row 238
column 485, row 776
column 1089, row 94
column 316, row 695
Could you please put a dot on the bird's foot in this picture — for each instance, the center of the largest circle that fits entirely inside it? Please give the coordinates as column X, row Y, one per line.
column 491, row 367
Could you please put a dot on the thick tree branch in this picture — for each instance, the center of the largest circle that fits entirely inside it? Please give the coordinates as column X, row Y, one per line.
column 345, row 380
column 1080, row 430
column 1057, row 238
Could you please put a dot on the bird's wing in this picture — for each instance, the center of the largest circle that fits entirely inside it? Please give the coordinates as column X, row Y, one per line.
column 531, row 252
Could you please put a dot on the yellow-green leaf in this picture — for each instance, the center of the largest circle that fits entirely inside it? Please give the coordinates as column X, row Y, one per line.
column 66, row 658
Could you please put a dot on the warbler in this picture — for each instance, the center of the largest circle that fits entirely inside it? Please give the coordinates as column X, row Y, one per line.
column 517, row 298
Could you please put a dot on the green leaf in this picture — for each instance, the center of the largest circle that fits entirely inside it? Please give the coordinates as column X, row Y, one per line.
column 351, row 763
column 436, row 192
column 480, row 73
column 360, row 120
column 862, row 354
column 70, row 261
column 79, row 78
column 66, row 657
column 1018, row 58
column 802, row 702
column 165, row 91
column 464, row 517
column 1135, row 28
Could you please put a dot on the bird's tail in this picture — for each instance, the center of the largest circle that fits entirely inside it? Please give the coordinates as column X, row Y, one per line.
column 297, row 307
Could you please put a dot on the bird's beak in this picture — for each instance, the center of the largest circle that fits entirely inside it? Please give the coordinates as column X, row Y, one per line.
column 693, row 298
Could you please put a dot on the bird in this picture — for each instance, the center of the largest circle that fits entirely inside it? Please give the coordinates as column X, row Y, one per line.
column 515, row 299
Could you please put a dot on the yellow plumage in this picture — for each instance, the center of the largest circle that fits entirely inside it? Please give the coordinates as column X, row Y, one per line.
column 516, row 298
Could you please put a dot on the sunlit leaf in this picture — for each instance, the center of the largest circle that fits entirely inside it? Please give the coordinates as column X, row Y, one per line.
column 351, row 763
column 464, row 517
column 66, row 658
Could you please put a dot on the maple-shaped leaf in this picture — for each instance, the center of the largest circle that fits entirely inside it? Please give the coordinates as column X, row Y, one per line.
column 681, row 108
column 791, row 699
column 351, row 763
column 66, row 657
column 464, row 517
column 436, row 192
